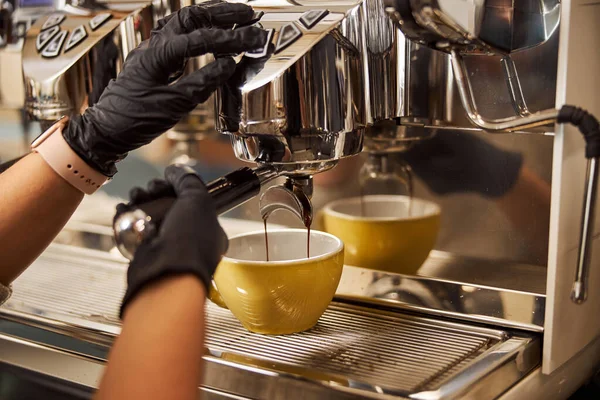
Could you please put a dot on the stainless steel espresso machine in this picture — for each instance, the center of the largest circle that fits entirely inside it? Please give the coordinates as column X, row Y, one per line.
column 345, row 77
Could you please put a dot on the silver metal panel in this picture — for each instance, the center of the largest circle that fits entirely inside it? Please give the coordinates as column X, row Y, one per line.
column 470, row 289
column 563, row 382
column 353, row 350
column 507, row 308
column 571, row 327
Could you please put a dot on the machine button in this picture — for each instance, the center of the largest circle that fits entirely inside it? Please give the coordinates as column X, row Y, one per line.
column 54, row 46
column 44, row 37
column 53, row 20
column 77, row 36
column 310, row 18
column 99, row 20
column 288, row 34
column 262, row 52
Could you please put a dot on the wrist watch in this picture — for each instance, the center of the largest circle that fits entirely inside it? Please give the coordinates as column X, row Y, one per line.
column 57, row 153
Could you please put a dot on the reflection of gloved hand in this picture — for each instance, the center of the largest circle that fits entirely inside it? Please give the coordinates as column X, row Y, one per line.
column 141, row 103
column 105, row 69
column 190, row 239
column 231, row 92
column 454, row 162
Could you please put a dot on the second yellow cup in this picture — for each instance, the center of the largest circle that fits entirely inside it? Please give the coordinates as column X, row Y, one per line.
column 384, row 232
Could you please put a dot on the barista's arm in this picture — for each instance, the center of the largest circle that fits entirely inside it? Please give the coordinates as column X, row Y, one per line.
column 35, row 203
column 159, row 352
column 527, row 206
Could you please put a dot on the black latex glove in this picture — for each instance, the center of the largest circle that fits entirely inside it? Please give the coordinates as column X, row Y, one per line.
column 454, row 162
column 190, row 239
column 142, row 103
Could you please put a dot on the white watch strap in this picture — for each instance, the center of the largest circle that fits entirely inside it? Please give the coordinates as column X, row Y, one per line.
column 53, row 148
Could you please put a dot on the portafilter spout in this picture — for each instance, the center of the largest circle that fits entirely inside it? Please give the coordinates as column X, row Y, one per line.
column 294, row 196
column 132, row 227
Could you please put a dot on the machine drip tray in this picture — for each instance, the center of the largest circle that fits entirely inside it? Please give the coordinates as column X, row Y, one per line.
column 355, row 351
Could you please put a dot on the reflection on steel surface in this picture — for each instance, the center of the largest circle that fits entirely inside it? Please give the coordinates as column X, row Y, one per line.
column 77, row 76
column 304, row 107
column 508, row 124
column 469, row 302
column 467, row 288
column 485, row 25
column 461, row 287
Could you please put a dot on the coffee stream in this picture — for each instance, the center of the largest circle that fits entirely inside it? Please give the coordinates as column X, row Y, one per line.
column 266, row 239
column 307, row 224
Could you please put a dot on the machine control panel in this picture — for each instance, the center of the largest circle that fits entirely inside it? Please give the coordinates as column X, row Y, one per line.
column 56, row 34
column 77, row 36
column 53, row 20
column 310, row 18
column 45, row 36
column 53, row 48
column 288, row 34
column 99, row 20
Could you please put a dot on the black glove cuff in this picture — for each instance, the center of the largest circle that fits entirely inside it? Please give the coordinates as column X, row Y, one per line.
column 81, row 138
column 149, row 267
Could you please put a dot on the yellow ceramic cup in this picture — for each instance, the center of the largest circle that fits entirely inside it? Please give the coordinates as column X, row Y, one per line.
column 287, row 294
column 380, row 232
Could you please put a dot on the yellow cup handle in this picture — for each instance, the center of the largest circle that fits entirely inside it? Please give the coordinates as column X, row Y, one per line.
column 215, row 296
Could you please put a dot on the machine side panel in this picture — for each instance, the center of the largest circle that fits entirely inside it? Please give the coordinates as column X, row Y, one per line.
column 570, row 327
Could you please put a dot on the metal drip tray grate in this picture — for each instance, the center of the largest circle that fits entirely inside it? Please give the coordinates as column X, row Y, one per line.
column 358, row 344
column 351, row 346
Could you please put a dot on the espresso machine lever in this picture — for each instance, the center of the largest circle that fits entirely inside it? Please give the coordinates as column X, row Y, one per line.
column 135, row 225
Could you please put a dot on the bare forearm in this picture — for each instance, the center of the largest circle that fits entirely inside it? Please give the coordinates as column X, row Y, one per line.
column 159, row 352
column 35, row 204
column 527, row 206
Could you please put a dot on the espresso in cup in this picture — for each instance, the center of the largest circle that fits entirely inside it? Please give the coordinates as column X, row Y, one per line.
column 390, row 233
column 286, row 294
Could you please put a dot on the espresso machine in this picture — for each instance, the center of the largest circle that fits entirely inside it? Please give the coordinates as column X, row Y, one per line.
column 342, row 78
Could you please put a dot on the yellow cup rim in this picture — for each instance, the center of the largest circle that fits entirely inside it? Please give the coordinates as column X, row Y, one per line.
column 328, row 209
column 266, row 264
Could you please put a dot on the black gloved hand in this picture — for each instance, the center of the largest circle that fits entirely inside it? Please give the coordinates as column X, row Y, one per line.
column 190, row 239
column 141, row 103
column 453, row 162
